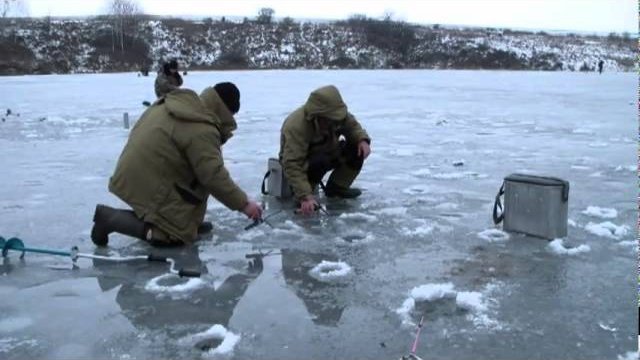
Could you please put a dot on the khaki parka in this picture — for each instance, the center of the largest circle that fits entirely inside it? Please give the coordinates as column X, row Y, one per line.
column 301, row 136
column 173, row 161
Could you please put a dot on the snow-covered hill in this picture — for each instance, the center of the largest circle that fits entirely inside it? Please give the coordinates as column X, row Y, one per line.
column 78, row 46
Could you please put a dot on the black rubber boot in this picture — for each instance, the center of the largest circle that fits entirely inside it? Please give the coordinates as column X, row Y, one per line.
column 205, row 228
column 333, row 190
column 107, row 220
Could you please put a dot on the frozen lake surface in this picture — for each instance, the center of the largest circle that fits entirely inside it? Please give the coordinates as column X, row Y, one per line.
column 351, row 285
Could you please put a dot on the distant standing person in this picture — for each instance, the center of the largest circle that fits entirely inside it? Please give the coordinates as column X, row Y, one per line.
column 168, row 78
column 600, row 65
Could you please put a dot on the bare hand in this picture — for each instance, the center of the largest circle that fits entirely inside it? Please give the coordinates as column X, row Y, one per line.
column 308, row 206
column 253, row 210
column 364, row 149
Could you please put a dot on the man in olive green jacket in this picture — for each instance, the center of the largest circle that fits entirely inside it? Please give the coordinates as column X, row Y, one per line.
column 170, row 165
column 311, row 146
column 168, row 79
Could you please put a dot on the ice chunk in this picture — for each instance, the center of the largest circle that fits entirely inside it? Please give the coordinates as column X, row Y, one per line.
column 605, row 213
column 607, row 229
column 424, row 229
column 471, row 300
column 329, row 270
column 557, row 247
column 430, row 292
column 399, row 211
column 154, row 285
column 358, row 217
column 217, row 331
column 493, row 235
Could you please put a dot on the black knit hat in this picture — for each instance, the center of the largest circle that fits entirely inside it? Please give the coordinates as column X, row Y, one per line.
column 173, row 64
column 230, row 95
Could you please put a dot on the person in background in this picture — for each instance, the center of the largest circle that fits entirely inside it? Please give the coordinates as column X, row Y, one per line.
column 168, row 79
column 600, row 66
column 320, row 136
column 170, row 165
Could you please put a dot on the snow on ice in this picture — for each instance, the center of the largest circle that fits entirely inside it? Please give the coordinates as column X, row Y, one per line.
column 607, row 229
column 605, row 213
column 330, row 270
column 557, row 247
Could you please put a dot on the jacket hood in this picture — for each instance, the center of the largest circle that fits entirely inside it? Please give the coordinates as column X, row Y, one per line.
column 185, row 105
column 213, row 103
column 326, row 102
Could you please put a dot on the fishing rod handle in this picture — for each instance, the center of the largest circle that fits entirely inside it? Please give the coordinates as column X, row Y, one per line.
column 189, row 273
column 152, row 257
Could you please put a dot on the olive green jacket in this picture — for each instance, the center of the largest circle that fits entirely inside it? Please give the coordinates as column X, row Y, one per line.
column 166, row 83
column 301, row 136
column 173, row 161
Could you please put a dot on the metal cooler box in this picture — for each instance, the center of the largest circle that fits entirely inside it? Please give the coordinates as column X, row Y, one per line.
column 276, row 183
column 535, row 205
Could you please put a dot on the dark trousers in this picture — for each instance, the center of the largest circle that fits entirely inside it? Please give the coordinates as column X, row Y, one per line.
column 346, row 166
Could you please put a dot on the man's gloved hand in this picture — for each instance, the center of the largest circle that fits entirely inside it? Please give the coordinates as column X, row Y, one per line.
column 308, row 205
column 253, row 210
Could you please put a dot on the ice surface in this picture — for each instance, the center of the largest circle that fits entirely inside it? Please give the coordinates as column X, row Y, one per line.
column 629, row 355
column 633, row 168
column 417, row 222
column 605, row 213
column 14, row 324
column 393, row 211
column 629, row 243
column 420, row 230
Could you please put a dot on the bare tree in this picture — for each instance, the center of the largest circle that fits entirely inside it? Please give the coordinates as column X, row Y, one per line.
column 387, row 16
column 265, row 15
column 13, row 7
column 124, row 16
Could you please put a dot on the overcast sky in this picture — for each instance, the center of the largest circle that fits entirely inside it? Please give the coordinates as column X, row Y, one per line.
column 573, row 15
